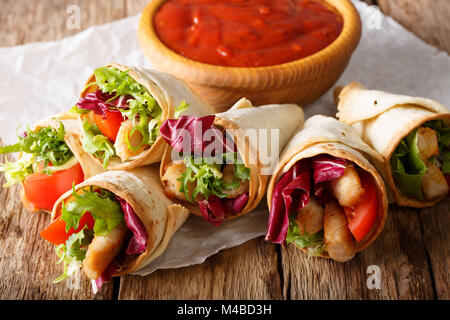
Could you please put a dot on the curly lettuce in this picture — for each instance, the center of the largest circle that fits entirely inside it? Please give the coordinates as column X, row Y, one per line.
column 141, row 105
column 312, row 242
column 97, row 144
column 102, row 204
column 107, row 214
column 44, row 146
column 206, row 175
column 136, row 103
column 207, row 178
column 18, row 170
column 73, row 252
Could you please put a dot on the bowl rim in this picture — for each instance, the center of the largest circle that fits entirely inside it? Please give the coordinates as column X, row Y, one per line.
column 348, row 38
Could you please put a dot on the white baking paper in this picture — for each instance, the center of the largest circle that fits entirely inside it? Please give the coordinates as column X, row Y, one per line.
column 41, row 79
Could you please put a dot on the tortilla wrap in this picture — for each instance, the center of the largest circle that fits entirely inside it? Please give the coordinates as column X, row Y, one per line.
column 283, row 118
column 142, row 189
column 382, row 120
column 72, row 138
column 169, row 92
column 326, row 135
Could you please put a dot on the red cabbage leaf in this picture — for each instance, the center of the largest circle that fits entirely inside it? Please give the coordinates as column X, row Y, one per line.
column 100, row 102
column 173, row 132
column 292, row 192
column 215, row 209
column 138, row 241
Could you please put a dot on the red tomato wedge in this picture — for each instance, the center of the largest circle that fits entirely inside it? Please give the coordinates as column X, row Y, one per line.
column 362, row 217
column 43, row 190
column 56, row 231
column 109, row 125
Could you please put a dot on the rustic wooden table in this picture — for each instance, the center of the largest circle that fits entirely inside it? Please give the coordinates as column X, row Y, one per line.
column 412, row 252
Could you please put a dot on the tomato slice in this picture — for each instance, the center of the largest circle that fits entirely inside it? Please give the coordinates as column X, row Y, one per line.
column 56, row 231
column 109, row 125
column 43, row 190
column 362, row 216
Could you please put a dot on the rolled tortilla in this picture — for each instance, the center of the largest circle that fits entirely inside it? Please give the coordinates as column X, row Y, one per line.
column 72, row 138
column 169, row 92
column 382, row 120
column 142, row 189
column 325, row 135
column 259, row 155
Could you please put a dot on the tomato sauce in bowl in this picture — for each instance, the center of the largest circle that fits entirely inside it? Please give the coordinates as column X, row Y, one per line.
column 247, row 33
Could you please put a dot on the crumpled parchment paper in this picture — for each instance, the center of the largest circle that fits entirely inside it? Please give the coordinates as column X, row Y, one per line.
column 41, row 79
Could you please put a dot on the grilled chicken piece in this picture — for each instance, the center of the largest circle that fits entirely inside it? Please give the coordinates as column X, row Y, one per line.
column 228, row 176
column 434, row 183
column 427, row 143
column 347, row 189
column 103, row 249
column 310, row 217
column 135, row 140
column 337, row 236
column 171, row 185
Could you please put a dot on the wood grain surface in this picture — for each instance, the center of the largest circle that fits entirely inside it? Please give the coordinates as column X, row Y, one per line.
column 428, row 19
column 412, row 252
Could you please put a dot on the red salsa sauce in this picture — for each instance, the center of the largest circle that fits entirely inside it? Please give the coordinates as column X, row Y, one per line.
column 247, row 33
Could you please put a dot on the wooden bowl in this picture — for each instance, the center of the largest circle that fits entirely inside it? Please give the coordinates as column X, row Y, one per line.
column 301, row 81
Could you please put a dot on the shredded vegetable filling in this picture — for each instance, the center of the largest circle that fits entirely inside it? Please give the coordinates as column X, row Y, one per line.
column 421, row 162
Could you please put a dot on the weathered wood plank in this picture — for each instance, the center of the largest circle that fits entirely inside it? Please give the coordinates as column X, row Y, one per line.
column 435, row 224
column 135, row 6
column 26, row 21
column 398, row 252
column 249, row 271
column 428, row 19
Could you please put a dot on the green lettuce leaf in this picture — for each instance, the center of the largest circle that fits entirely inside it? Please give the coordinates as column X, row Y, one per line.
column 75, row 111
column 206, row 174
column 241, row 172
column 407, row 167
column 105, row 210
column 207, row 177
column 45, row 146
column 313, row 242
column 11, row 148
column 142, row 107
column 179, row 110
column 73, row 252
column 17, row 171
column 97, row 144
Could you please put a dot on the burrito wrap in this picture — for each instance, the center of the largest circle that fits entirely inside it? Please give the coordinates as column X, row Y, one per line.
column 239, row 118
column 142, row 189
column 383, row 120
column 325, row 135
column 169, row 92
